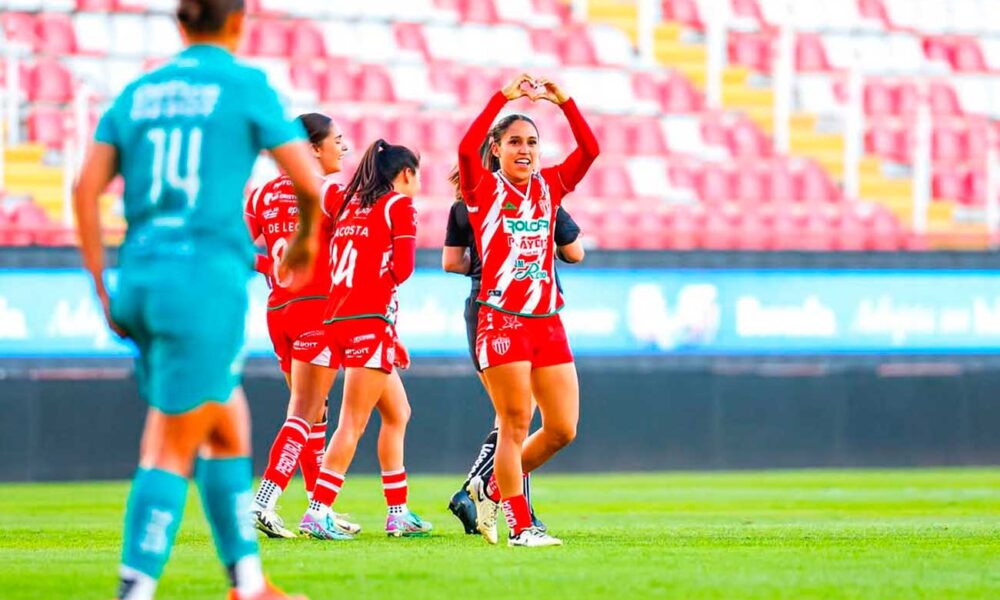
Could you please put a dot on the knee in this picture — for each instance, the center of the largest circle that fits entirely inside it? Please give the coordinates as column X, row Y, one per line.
column 562, row 434
column 515, row 424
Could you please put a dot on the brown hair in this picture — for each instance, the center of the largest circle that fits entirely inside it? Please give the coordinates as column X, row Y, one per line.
column 490, row 163
column 206, row 16
column 380, row 165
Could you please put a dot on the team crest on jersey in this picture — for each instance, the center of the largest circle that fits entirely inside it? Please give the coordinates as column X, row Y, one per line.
column 501, row 345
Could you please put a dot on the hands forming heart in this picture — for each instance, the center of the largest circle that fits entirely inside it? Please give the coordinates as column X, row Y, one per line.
column 535, row 89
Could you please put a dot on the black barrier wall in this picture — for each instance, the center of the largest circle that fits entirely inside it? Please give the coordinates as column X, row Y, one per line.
column 56, row 426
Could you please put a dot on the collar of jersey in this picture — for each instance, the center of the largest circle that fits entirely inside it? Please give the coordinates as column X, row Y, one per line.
column 526, row 194
column 200, row 49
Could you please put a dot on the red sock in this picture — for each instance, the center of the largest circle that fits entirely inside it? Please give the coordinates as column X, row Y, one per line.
column 517, row 513
column 394, row 487
column 328, row 485
column 493, row 489
column 285, row 451
column 311, row 458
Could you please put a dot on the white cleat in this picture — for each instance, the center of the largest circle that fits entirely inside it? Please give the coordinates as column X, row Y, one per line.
column 486, row 510
column 270, row 523
column 533, row 537
column 349, row 526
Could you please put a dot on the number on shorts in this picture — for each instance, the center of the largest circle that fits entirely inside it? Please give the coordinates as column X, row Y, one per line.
column 167, row 150
column 342, row 264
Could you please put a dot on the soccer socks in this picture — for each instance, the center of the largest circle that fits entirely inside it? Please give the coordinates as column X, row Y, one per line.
column 282, row 461
column 493, row 489
column 517, row 513
column 154, row 512
column 526, row 482
column 311, row 459
column 225, row 496
column 483, row 465
column 394, row 488
column 328, row 485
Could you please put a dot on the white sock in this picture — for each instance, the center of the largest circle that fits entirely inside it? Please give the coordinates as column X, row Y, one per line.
column 139, row 586
column 398, row 509
column 267, row 495
column 249, row 575
column 317, row 509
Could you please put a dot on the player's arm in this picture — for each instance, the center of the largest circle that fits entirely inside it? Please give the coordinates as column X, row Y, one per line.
column 300, row 166
column 455, row 257
column 576, row 165
column 262, row 263
column 99, row 168
column 470, row 163
column 569, row 247
column 403, row 225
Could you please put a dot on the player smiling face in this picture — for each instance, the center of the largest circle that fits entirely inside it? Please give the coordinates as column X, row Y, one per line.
column 330, row 152
column 517, row 151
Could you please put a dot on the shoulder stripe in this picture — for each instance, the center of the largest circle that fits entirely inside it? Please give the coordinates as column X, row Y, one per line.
column 388, row 207
column 254, row 197
column 327, row 183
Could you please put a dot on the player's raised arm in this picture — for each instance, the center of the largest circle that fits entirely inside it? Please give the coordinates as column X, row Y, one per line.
column 576, row 165
column 473, row 146
column 99, row 168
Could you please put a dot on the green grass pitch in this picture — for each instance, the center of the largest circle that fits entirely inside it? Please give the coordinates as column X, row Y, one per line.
column 807, row 534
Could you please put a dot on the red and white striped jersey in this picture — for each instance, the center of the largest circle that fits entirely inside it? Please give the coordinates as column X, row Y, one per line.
column 363, row 280
column 272, row 212
column 514, row 235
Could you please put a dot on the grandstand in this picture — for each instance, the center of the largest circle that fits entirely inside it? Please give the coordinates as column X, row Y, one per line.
column 725, row 124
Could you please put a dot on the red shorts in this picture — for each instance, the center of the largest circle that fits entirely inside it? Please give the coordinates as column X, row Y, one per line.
column 503, row 338
column 362, row 343
column 296, row 331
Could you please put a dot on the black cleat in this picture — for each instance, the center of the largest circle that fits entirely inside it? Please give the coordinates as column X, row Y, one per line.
column 464, row 508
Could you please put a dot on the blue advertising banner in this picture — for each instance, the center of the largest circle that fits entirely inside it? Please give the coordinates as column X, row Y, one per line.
column 53, row 313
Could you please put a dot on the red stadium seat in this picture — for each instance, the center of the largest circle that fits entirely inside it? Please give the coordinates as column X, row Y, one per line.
column 407, row 129
column 476, row 86
column 612, row 182
column 556, row 8
column 967, row 56
column 369, row 129
column 944, row 100
column 338, row 85
column 952, row 184
column 752, row 50
column 685, row 230
column 55, row 34
column 750, row 184
column 96, row 5
column 810, row 54
column 374, row 84
column 749, row 9
column 267, row 38
column 616, row 136
column 888, row 141
column 647, row 139
column 306, row 75
column 938, row 49
column 977, row 188
column 306, row 41
column 817, row 186
column 785, row 181
column 817, row 233
column 786, row 229
column 850, row 233
column 875, row 10
column 410, row 36
column 884, row 233
column 715, row 184
column 949, row 144
column 720, row 231
column 745, row 139
column 752, row 233
column 680, row 95
column 879, row 98
column 478, row 11
column 19, row 28
column 50, row 81
column 683, row 11
column 577, row 48
column 907, row 98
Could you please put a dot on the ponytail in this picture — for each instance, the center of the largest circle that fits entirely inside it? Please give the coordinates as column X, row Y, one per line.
column 380, row 165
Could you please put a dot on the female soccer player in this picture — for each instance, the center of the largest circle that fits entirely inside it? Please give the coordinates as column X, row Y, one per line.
column 185, row 138
column 295, row 324
column 521, row 344
column 460, row 256
column 373, row 252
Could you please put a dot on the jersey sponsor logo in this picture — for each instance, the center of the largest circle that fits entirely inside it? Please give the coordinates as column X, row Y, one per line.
column 300, row 345
column 356, row 353
column 363, row 338
column 529, row 270
column 534, row 245
column 509, row 206
column 525, row 225
column 293, row 210
column 175, row 98
column 511, row 322
column 500, row 345
column 495, row 293
column 271, row 212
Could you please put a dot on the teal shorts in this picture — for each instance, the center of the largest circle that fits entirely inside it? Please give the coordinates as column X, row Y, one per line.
column 187, row 318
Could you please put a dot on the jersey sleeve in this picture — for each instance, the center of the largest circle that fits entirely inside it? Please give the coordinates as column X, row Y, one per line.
column 332, row 194
column 470, row 167
column 459, row 230
column 401, row 216
column 250, row 214
column 107, row 130
column 270, row 123
column 567, row 231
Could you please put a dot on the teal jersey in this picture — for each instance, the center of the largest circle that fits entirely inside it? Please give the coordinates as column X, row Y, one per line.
column 187, row 135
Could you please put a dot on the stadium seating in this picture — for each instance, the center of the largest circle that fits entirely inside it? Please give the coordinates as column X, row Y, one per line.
column 417, row 71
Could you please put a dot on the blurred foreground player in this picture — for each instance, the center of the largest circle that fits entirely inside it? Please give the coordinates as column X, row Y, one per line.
column 185, row 138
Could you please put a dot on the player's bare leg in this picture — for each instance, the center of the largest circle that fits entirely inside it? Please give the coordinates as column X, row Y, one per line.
column 394, row 410
column 557, row 392
column 310, row 385
column 362, row 389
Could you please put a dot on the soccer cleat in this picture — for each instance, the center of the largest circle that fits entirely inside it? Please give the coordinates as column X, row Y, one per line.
column 324, row 528
column 533, row 537
column 350, row 527
column 537, row 523
column 407, row 525
column 270, row 523
column 486, row 509
column 269, row 593
column 462, row 507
